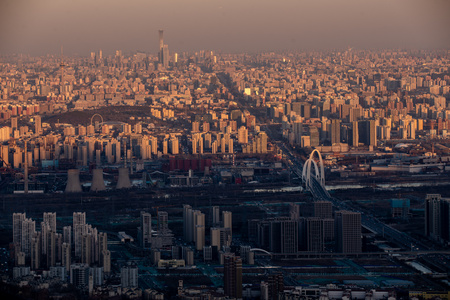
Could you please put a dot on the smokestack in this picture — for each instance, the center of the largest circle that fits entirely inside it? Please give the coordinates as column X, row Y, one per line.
column 124, row 179
column 97, row 181
column 73, row 181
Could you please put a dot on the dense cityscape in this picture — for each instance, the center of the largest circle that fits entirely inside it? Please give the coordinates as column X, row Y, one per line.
column 205, row 175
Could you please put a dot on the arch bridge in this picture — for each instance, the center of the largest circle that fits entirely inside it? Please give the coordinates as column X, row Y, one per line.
column 313, row 175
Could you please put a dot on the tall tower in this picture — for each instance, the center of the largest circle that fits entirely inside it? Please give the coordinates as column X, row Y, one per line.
column 161, row 39
column 62, row 66
column 161, row 45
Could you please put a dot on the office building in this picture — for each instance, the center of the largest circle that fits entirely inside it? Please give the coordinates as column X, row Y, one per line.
column 335, row 131
column 188, row 223
column 323, row 209
column 283, row 235
column 215, row 216
column 348, row 231
column 145, row 233
column 232, row 276
column 315, row 235
column 437, row 217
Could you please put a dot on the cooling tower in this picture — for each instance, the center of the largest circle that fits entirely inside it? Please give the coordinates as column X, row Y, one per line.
column 124, row 179
column 97, row 181
column 73, row 181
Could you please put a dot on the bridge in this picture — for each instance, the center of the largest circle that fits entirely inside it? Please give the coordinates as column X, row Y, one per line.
column 313, row 178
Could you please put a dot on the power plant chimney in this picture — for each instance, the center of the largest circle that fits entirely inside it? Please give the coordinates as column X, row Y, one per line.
column 124, row 179
column 73, row 181
column 97, row 181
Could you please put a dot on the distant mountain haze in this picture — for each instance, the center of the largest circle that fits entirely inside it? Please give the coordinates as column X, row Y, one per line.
column 41, row 27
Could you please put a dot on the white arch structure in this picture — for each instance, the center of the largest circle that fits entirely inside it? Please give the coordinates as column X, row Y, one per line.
column 261, row 250
column 318, row 170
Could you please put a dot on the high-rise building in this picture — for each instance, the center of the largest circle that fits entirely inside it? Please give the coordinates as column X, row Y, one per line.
column 367, row 132
column 67, row 235
column 348, row 231
column 18, row 218
column 355, row 134
column 188, row 233
column 146, row 229
column 14, row 125
column 129, row 276
column 276, row 285
column 106, row 262
column 163, row 219
column 232, row 276
column 283, row 233
column 323, row 209
column 315, row 235
column 66, row 252
column 161, row 44
column 28, row 231
column 215, row 216
column 243, row 135
column 50, row 219
column 227, row 220
column 35, row 251
column 37, row 125
column 79, row 228
column 199, row 229
column 437, row 217
column 79, row 275
column 335, row 131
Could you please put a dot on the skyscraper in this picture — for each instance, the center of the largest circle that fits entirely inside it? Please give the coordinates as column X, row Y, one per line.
column 232, row 276
column 437, row 217
column 161, row 40
column 187, row 223
column 348, row 231
column 283, row 233
column 79, row 224
column 165, row 60
column 215, row 215
column 146, row 230
column 335, row 131
column 315, row 234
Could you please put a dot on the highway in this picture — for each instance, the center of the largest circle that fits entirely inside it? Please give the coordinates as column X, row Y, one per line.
column 319, row 192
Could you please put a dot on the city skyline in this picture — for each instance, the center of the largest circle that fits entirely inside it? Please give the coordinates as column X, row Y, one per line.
column 228, row 26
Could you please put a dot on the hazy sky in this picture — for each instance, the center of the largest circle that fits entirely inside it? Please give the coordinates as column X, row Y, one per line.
column 41, row 26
